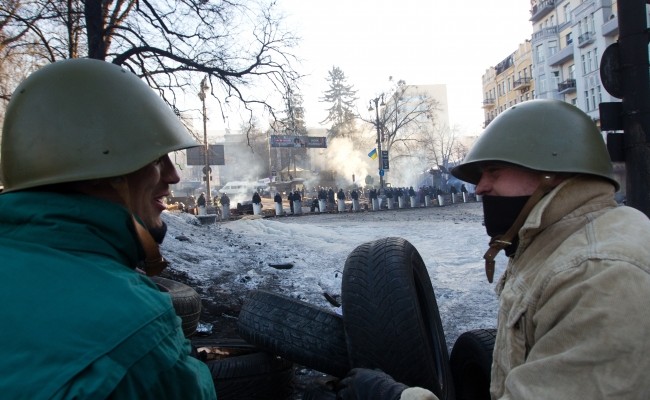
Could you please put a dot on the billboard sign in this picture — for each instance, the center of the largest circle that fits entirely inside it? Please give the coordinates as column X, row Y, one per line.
column 196, row 155
column 310, row 142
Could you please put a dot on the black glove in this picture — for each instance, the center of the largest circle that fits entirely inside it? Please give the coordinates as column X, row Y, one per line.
column 369, row 384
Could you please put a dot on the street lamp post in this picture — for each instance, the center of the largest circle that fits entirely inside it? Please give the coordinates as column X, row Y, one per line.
column 206, row 168
column 377, row 124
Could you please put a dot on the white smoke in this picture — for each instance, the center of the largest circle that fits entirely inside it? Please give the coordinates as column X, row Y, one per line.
column 345, row 160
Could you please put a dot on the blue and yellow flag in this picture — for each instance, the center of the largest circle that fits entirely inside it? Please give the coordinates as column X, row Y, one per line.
column 373, row 154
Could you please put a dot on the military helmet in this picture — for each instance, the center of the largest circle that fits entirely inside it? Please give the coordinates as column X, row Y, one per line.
column 82, row 119
column 543, row 135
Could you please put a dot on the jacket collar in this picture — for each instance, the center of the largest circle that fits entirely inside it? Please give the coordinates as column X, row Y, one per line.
column 70, row 222
column 574, row 197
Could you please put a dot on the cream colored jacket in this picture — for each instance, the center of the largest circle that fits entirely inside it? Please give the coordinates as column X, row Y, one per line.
column 574, row 314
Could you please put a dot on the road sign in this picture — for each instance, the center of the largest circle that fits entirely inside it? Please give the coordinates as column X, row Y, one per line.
column 381, row 172
column 384, row 160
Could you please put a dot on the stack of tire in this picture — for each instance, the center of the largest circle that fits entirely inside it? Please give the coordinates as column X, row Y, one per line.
column 239, row 369
column 390, row 321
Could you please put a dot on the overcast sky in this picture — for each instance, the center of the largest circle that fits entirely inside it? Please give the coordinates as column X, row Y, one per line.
column 419, row 41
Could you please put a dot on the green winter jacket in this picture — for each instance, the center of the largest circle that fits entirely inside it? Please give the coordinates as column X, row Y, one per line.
column 574, row 319
column 77, row 321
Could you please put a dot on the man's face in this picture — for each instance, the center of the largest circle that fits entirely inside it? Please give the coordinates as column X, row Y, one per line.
column 147, row 188
column 507, row 180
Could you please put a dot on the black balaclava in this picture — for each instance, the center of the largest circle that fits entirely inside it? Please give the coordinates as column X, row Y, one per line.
column 158, row 233
column 500, row 213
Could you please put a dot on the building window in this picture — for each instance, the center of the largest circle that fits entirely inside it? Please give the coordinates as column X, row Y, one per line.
column 542, row 83
column 600, row 94
column 567, row 12
column 552, row 47
column 586, row 100
column 584, row 65
column 593, row 99
column 572, row 71
column 569, row 38
column 539, row 53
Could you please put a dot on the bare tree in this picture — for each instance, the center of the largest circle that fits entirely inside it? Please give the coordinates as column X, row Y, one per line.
column 439, row 146
column 172, row 44
column 403, row 115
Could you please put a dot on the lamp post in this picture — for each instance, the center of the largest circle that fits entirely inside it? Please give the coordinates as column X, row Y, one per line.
column 376, row 109
column 206, row 167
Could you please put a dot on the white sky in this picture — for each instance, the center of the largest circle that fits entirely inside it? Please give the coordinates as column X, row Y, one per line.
column 231, row 258
column 420, row 41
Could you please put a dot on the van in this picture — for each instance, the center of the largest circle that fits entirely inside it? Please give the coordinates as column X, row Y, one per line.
column 237, row 187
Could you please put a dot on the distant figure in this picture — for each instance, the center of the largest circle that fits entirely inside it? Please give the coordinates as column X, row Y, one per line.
column 256, row 198
column 297, row 200
column 225, row 200
column 200, row 204
column 330, row 198
column 277, row 199
column 290, row 198
column 463, row 189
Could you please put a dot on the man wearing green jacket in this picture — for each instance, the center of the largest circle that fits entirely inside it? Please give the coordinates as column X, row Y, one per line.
column 85, row 168
column 573, row 300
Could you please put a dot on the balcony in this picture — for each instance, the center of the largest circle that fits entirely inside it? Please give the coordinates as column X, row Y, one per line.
column 522, row 84
column 541, row 9
column 545, row 33
column 567, row 86
column 488, row 103
column 561, row 56
column 586, row 38
column 610, row 28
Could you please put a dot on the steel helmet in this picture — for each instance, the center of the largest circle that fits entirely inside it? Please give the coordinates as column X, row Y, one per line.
column 543, row 135
column 82, row 119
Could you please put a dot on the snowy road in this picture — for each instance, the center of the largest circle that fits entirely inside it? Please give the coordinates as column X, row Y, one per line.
column 227, row 260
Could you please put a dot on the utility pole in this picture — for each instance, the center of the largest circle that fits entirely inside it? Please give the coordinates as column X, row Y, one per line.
column 206, row 167
column 624, row 74
column 378, row 126
column 633, row 42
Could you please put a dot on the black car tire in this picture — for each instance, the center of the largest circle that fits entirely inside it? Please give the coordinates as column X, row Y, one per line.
column 471, row 364
column 298, row 331
column 391, row 316
column 186, row 302
column 245, row 372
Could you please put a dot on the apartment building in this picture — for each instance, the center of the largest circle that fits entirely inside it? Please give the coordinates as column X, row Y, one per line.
column 569, row 38
column 508, row 83
column 567, row 44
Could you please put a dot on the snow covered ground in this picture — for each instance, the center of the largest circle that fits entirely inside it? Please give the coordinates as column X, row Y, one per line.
column 225, row 260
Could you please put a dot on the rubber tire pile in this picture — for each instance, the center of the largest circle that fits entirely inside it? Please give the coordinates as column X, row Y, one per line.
column 390, row 321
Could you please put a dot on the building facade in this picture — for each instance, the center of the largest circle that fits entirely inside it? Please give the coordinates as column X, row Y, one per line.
column 567, row 44
column 508, row 83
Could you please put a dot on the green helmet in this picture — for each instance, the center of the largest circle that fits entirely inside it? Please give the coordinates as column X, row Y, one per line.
column 82, row 119
column 543, row 135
